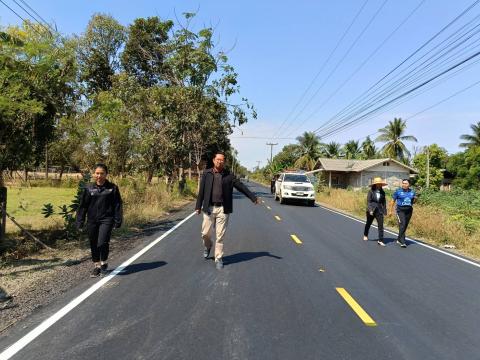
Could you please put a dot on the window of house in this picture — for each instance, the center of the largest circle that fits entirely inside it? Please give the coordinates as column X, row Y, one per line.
column 386, row 163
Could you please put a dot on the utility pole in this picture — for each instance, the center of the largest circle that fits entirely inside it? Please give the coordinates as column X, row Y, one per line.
column 3, row 210
column 258, row 164
column 46, row 161
column 271, row 150
column 428, row 168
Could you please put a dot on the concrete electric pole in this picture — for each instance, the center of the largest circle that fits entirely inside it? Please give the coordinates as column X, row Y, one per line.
column 271, row 150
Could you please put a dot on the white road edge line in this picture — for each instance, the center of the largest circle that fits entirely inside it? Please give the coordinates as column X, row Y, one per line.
column 33, row 334
column 410, row 239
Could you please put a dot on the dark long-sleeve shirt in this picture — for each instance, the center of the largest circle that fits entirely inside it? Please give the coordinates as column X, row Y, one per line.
column 100, row 204
column 374, row 202
column 229, row 181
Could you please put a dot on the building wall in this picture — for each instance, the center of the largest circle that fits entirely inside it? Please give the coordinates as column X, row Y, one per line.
column 393, row 178
column 389, row 171
column 388, row 166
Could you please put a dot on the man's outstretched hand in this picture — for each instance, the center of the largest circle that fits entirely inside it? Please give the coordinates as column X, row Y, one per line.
column 197, row 211
column 257, row 201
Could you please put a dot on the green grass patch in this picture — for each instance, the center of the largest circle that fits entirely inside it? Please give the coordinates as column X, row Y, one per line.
column 25, row 205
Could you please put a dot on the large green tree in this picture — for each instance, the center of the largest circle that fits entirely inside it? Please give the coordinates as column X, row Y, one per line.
column 310, row 150
column 465, row 166
column 352, row 149
column 431, row 159
column 146, row 50
column 333, row 150
column 393, row 135
column 98, row 52
column 288, row 156
column 369, row 150
column 37, row 73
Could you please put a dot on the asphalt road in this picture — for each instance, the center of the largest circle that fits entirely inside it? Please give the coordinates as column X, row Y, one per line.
column 274, row 299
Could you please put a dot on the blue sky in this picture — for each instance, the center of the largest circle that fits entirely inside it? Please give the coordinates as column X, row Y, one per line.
column 279, row 47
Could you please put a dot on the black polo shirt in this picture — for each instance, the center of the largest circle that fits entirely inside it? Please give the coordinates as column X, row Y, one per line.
column 217, row 188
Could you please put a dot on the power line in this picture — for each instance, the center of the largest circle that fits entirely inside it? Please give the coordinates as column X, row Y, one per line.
column 33, row 17
column 24, row 20
column 260, row 137
column 332, row 129
column 355, row 72
column 376, row 115
column 444, row 100
column 36, row 13
column 393, row 85
column 340, row 61
column 370, row 89
column 322, row 67
column 404, row 94
column 432, row 106
column 396, row 88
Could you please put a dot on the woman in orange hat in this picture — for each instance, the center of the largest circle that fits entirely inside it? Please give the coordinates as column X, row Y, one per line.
column 376, row 208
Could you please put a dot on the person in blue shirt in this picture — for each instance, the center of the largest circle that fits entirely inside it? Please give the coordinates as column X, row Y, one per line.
column 404, row 198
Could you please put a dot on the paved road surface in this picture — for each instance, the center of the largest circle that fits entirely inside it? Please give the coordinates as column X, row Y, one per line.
column 274, row 299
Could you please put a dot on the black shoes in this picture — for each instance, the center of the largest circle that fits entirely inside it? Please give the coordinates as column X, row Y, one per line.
column 219, row 264
column 103, row 269
column 206, row 253
column 95, row 272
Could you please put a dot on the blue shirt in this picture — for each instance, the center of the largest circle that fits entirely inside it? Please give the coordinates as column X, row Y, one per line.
column 404, row 198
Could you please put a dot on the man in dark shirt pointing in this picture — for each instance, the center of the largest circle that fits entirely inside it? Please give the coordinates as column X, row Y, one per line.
column 215, row 199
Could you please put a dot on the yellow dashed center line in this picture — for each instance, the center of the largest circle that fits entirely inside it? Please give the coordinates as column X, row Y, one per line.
column 277, row 217
column 296, row 239
column 362, row 314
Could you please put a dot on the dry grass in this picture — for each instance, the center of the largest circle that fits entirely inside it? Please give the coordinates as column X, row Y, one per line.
column 429, row 224
column 144, row 203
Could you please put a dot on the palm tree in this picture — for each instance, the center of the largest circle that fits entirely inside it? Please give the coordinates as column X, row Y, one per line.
column 473, row 140
column 392, row 136
column 333, row 150
column 368, row 148
column 352, row 149
column 310, row 150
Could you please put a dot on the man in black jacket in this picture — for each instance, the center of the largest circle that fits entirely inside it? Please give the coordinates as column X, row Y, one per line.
column 215, row 199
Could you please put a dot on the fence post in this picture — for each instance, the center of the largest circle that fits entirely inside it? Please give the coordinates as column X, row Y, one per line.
column 3, row 211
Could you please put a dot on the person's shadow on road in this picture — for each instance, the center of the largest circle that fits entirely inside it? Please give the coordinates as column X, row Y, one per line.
column 246, row 256
column 134, row 268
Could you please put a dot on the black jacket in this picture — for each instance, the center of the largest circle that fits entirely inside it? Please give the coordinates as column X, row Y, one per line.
column 373, row 203
column 100, row 204
column 229, row 181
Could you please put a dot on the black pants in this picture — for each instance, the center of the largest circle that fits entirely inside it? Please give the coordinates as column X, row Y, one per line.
column 376, row 215
column 272, row 187
column 99, row 236
column 404, row 214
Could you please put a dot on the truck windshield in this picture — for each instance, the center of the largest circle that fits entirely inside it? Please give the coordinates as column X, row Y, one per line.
column 296, row 178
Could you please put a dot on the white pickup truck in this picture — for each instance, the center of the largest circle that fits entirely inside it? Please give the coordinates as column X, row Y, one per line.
column 294, row 186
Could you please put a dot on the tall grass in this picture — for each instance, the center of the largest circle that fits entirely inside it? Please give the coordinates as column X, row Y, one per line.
column 143, row 203
column 431, row 222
